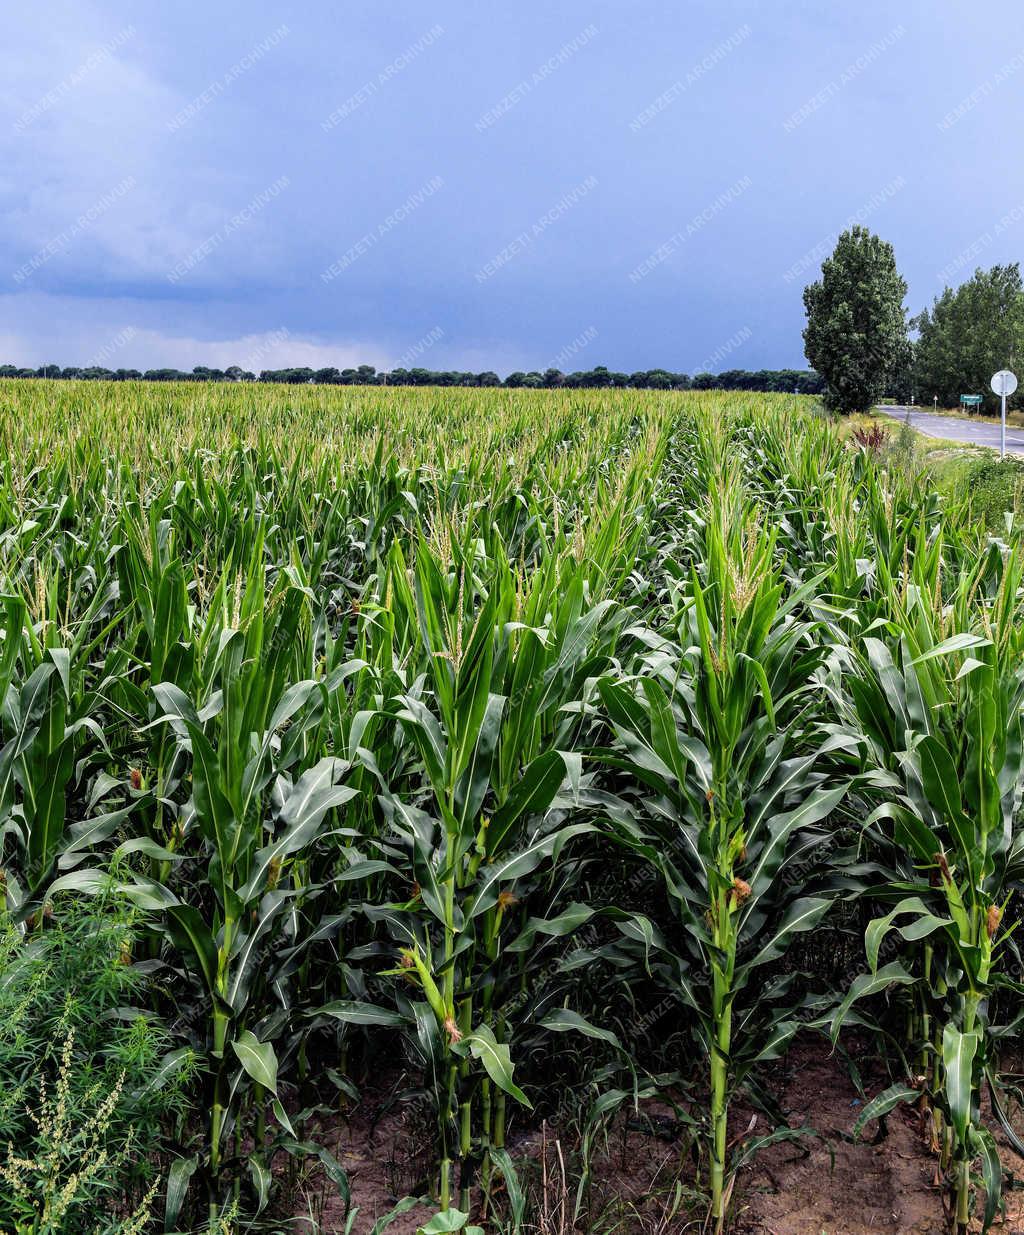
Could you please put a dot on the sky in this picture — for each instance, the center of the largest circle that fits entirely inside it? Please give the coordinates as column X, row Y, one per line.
column 487, row 187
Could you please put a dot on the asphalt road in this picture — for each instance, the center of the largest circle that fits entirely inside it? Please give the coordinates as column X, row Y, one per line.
column 955, row 429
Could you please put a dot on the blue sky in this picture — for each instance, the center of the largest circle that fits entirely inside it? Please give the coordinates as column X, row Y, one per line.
column 633, row 184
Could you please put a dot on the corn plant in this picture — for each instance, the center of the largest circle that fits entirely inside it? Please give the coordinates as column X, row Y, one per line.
column 256, row 801
column 495, row 746
column 940, row 711
column 730, row 788
column 53, row 742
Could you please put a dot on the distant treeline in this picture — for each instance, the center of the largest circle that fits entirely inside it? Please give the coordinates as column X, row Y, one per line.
column 799, row 381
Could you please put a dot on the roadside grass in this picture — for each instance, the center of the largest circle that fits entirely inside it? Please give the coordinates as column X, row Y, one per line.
column 991, row 486
column 962, row 472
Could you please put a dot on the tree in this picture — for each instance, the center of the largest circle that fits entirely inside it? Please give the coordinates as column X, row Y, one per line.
column 658, row 379
column 969, row 334
column 856, row 334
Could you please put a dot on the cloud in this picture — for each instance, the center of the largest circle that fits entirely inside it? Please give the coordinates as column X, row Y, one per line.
column 77, row 119
column 276, row 349
column 117, row 334
column 83, row 114
column 122, row 332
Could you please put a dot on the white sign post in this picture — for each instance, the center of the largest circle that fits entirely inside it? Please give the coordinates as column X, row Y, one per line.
column 1003, row 383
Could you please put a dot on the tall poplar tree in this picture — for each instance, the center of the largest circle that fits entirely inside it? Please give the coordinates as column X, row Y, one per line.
column 856, row 334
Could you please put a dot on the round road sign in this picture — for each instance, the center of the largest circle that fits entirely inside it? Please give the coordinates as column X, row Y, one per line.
column 1004, row 382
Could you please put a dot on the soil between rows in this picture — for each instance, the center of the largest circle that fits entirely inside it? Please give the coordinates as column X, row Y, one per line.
column 818, row 1186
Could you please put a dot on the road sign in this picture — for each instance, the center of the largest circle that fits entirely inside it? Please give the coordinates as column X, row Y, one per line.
column 1003, row 383
column 970, row 400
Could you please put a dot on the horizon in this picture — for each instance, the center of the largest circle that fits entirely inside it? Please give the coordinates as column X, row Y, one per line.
column 235, row 373
column 539, row 199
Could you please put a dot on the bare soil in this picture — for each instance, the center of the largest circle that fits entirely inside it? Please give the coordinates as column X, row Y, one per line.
column 882, row 1185
column 888, row 1186
column 871, row 1188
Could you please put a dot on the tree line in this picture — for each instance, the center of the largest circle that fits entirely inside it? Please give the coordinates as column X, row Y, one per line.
column 968, row 334
column 859, row 338
column 797, row 381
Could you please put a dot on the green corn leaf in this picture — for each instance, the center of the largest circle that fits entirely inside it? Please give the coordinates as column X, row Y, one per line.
column 429, row 739
column 958, row 1052
column 517, row 865
column 313, row 795
column 516, row 1195
column 983, row 1146
column 248, row 952
column 356, row 1013
column 258, row 1059
column 178, row 1177
column 282, row 1116
column 803, row 915
column 881, row 1104
column 566, row 923
column 565, row 1020
column 955, row 643
column 942, row 788
column 403, row 1207
column 89, row 833
column 870, row 984
column 261, row 1179
column 531, row 796
column 925, row 923
column 776, row 1041
column 169, row 1066
column 191, row 934
column 749, row 1148
column 335, row 1172
column 90, row 882
column 496, row 1060
column 451, row 1220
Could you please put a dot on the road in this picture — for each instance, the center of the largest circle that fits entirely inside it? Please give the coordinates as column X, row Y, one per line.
column 955, row 429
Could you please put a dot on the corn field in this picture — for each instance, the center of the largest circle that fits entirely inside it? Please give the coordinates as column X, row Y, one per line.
column 451, row 732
